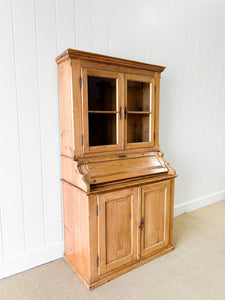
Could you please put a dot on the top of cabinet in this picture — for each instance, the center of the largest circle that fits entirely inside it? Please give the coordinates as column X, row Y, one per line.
column 93, row 57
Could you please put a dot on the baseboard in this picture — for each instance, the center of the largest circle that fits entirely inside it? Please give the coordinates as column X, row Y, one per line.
column 31, row 260
column 198, row 203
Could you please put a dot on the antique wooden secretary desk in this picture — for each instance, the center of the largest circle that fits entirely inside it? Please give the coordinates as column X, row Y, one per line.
column 117, row 189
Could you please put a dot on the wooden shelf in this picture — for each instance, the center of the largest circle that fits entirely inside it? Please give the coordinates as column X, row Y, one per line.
column 102, row 112
column 139, row 112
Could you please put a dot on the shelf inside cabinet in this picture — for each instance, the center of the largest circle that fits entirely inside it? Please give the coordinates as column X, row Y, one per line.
column 138, row 128
column 102, row 93
column 101, row 112
column 139, row 96
column 139, row 112
column 102, row 129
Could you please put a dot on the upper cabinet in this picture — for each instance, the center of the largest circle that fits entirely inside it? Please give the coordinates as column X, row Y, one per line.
column 110, row 104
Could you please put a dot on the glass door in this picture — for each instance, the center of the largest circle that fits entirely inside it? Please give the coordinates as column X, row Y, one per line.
column 102, row 93
column 139, row 111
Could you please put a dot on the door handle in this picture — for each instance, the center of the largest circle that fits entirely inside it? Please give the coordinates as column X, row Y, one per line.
column 125, row 113
column 120, row 113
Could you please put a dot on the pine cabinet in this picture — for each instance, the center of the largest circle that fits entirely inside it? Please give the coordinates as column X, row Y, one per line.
column 117, row 188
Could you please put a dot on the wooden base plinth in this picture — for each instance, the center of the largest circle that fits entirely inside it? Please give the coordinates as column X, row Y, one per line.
column 117, row 272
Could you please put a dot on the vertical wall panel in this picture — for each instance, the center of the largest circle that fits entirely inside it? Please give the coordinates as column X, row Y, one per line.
column 141, row 9
column 99, row 25
column 11, row 204
column 65, row 23
column 48, row 100
column 83, row 17
column 29, row 120
column 115, row 28
column 129, row 30
column 152, row 46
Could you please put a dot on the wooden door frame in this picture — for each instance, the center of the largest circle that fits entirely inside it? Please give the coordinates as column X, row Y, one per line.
column 150, row 80
column 119, row 103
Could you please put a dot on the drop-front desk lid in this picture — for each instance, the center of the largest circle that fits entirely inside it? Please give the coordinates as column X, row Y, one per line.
column 118, row 167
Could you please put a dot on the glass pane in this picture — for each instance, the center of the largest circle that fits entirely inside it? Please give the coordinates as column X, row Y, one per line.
column 138, row 128
column 102, row 129
column 138, row 96
column 101, row 93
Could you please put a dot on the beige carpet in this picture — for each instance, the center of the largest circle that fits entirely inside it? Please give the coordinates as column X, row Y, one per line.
column 195, row 270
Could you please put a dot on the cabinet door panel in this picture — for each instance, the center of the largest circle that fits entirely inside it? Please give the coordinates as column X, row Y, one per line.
column 155, row 211
column 102, row 106
column 117, row 228
column 139, row 111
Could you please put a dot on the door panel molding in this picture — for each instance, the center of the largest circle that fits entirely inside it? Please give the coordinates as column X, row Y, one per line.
column 155, row 211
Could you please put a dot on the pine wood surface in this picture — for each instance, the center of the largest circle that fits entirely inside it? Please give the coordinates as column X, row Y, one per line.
column 76, row 54
column 118, row 189
column 117, row 228
column 155, row 211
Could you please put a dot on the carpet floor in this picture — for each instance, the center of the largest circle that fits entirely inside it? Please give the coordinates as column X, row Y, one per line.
column 194, row 270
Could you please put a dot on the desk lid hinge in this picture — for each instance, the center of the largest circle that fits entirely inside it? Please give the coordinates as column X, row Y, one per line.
column 97, row 210
column 80, row 82
column 82, row 139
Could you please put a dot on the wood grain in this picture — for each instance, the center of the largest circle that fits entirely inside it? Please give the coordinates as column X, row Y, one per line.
column 117, row 197
column 156, row 206
column 106, row 60
column 117, row 228
column 76, row 228
column 66, row 109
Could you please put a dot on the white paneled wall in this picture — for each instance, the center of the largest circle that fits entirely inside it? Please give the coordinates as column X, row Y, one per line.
column 185, row 36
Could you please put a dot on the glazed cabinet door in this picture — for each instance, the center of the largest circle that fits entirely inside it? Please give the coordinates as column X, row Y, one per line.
column 117, row 229
column 154, row 217
column 102, row 110
column 139, row 111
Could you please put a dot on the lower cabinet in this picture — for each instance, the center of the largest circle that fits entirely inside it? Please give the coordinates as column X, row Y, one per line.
column 109, row 233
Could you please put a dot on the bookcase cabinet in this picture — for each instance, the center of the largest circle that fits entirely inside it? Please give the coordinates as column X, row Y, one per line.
column 118, row 190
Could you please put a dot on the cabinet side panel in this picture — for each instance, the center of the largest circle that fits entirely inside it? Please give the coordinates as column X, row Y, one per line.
column 93, row 238
column 77, row 106
column 66, row 108
column 76, row 229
